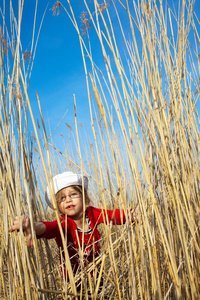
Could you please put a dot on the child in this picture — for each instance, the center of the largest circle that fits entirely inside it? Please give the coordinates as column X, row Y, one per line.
column 70, row 195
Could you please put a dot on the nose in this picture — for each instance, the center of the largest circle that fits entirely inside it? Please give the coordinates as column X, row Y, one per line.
column 68, row 198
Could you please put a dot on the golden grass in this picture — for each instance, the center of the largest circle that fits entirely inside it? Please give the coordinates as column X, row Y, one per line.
column 145, row 153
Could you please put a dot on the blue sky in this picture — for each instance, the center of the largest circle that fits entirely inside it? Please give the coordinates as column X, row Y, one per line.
column 58, row 71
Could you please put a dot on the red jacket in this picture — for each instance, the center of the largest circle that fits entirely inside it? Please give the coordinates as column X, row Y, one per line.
column 91, row 240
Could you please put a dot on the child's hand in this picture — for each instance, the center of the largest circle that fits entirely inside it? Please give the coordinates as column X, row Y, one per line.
column 134, row 216
column 26, row 226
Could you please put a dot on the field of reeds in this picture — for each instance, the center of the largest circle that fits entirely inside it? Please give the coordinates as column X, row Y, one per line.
column 144, row 153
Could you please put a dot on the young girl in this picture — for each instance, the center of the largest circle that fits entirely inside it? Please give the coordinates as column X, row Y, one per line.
column 70, row 191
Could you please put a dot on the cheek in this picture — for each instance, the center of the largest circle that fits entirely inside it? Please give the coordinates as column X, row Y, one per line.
column 80, row 202
column 60, row 205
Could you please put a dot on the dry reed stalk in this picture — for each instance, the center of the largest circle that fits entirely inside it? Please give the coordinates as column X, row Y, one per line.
column 20, row 270
column 153, row 164
column 159, row 123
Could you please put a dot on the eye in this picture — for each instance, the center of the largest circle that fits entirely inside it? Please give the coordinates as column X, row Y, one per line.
column 74, row 194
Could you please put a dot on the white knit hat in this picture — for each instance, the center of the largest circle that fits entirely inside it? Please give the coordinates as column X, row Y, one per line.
column 63, row 180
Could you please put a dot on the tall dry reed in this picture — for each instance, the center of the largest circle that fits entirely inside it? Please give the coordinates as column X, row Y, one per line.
column 145, row 154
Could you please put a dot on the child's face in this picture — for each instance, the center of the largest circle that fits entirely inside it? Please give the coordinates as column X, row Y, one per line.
column 71, row 202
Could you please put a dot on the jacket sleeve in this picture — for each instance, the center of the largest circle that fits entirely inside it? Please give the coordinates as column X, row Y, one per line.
column 101, row 215
column 52, row 230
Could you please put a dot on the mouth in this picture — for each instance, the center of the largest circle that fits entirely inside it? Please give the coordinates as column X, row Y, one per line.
column 70, row 207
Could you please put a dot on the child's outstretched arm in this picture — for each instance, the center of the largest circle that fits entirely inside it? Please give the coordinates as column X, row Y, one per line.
column 39, row 227
column 117, row 216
